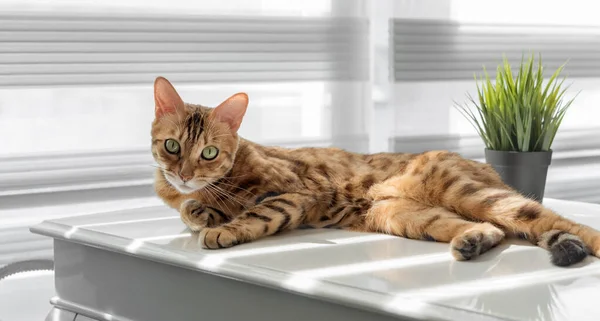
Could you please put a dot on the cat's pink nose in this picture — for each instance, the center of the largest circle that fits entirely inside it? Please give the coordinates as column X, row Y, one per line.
column 185, row 177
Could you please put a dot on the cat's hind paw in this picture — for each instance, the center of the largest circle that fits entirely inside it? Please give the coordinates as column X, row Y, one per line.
column 475, row 241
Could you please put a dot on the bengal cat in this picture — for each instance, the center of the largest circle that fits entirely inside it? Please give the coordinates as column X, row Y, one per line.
column 234, row 191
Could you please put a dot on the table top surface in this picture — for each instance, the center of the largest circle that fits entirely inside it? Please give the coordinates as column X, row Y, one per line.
column 397, row 276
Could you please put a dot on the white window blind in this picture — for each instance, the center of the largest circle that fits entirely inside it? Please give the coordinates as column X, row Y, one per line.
column 76, row 76
column 86, row 71
column 76, row 90
column 92, row 49
column 438, row 50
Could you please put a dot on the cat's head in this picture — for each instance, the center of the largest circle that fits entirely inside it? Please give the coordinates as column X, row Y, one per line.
column 194, row 145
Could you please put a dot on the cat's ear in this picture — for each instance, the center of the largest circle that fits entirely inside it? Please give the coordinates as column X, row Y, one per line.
column 166, row 98
column 232, row 111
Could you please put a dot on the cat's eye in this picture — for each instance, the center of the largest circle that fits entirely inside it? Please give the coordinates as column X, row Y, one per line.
column 172, row 146
column 210, row 152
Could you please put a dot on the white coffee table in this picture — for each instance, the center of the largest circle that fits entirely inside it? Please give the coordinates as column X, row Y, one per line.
column 144, row 265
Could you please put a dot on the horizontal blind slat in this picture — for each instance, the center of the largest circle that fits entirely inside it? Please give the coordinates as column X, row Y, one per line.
column 492, row 39
column 64, row 49
column 173, row 47
column 440, row 75
column 191, row 77
column 174, row 57
column 115, row 68
column 479, row 58
column 490, row 65
column 416, row 49
column 48, row 21
column 170, row 37
column 426, row 50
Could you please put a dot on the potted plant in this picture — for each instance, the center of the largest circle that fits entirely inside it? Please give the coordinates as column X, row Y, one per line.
column 517, row 118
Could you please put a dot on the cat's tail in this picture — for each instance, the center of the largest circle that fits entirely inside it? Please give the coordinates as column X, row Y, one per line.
column 568, row 242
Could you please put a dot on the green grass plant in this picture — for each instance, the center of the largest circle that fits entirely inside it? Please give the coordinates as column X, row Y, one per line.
column 518, row 112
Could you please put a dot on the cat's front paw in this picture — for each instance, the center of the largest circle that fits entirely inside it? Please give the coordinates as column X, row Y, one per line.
column 194, row 215
column 217, row 238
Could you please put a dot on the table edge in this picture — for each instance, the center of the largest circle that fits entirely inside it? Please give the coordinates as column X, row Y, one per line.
column 260, row 276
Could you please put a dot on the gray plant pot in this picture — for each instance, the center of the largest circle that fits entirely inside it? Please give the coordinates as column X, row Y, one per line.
column 524, row 171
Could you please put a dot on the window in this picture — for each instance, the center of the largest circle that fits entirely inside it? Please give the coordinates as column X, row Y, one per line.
column 439, row 50
column 76, row 100
column 77, row 76
column 579, row 19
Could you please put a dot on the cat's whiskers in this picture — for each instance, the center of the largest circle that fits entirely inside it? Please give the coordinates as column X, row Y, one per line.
column 228, row 195
column 216, row 185
column 207, row 190
column 217, row 200
column 236, row 187
column 209, row 187
column 211, row 179
column 232, row 196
